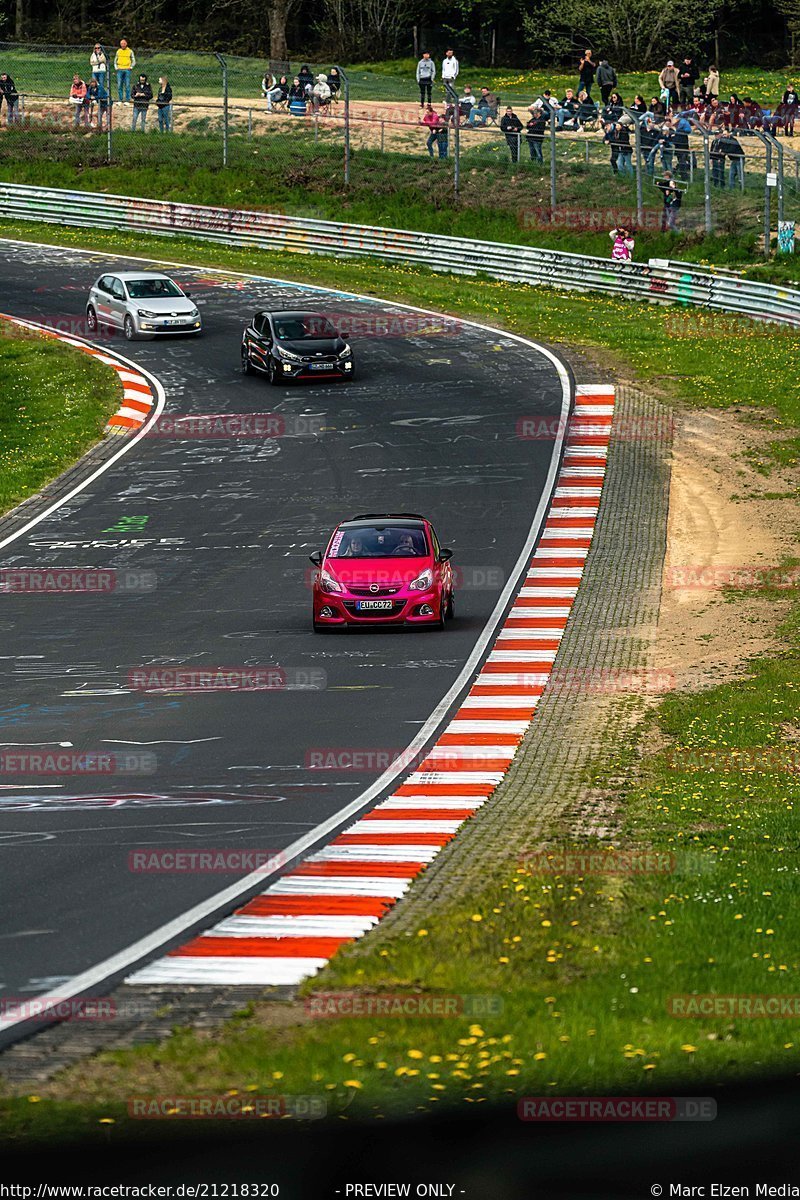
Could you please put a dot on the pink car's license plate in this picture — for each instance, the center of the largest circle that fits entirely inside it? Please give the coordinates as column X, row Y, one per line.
column 372, row 605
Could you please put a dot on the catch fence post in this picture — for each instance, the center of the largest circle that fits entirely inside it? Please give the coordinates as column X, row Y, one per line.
column 223, row 63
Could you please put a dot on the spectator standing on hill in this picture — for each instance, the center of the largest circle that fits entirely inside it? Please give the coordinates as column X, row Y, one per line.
column 668, row 81
column 680, row 140
column 622, row 249
column 711, row 83
column 98, row 63
column 511, row 127
column 141, row 94
column 717, row 156
column 788, row 108
column 606, row 79
column 688, row 75
column 102, row 99
column 124, row 62
column 735, row 152
column 535, row 130
column 77, row 98
column 164, row 104
column 450, row 67
column 426, row 74
column 306, row 79
column 437, row 131
column 9, row 93
column 586, row 72
column 619, row 139
column 673, row 198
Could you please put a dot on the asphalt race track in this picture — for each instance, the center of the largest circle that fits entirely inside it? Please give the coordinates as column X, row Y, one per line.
column 226, row 525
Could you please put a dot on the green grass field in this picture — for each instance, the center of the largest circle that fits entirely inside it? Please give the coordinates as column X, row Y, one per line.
column 578, row 970
column 54, row 404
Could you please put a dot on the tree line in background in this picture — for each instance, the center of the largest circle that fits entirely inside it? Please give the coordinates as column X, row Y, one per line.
column 632, row 34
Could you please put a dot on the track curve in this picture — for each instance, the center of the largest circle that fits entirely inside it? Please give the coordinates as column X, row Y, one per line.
column 429, row 425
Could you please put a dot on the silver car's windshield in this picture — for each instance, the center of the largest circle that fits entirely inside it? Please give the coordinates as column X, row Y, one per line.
column 152, row 289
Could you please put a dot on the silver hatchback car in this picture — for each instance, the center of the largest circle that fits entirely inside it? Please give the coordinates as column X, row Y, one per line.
column 141, row 303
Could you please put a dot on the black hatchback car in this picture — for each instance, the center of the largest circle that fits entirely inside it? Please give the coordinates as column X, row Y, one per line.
column 295, row 345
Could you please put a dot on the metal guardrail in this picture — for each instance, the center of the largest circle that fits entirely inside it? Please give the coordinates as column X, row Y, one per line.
column 660, row 280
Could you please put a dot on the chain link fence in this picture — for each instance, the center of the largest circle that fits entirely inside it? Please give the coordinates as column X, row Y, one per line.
column 211, row 111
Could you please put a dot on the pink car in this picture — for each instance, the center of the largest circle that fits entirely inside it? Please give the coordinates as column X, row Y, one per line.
column 383, row 569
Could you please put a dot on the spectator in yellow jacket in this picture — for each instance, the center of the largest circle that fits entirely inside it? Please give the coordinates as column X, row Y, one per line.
column 124, row 62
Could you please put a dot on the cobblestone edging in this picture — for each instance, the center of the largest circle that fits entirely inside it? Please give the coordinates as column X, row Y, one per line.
column 610, row 636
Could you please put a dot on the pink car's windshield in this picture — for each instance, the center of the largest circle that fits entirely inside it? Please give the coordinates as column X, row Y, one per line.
column 385, row 541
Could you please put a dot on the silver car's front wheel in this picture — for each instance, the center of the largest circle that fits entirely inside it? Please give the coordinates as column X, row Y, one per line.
column 129, row 328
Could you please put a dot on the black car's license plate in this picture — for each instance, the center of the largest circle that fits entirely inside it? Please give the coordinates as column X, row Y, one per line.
column 321, row 366
column 372, row 605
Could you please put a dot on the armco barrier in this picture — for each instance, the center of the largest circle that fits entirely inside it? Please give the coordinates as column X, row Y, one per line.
column 659, row 281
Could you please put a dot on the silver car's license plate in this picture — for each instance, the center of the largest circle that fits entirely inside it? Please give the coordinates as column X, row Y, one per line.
column 372, row 605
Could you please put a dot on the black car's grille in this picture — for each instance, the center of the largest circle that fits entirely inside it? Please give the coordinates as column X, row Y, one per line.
column 320, row 358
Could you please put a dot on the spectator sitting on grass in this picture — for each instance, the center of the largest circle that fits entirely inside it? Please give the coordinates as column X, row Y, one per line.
column 511, row 126
column 306, row 79
column 485, row 107
column 426, row 73
column 297, row 98
column 321, row 93
column 98, row 63
column 606, row 79
column 334, row 82
column 657, row 107
column 124, row 62
column 587, row 109
column 77, row 98
column 466, row 103
column 734, row 112
column 567, row 114
column 164, row 104
column 548, row 100
column 714, row 115
column 639, row 104
column 614, row 109
column 9, row 93
column 753, row 113
column 277, row 90
column 437, row 131
column 141, row 94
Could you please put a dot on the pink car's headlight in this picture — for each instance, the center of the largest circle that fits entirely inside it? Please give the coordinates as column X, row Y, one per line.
column 422, row 582
column 329, row 584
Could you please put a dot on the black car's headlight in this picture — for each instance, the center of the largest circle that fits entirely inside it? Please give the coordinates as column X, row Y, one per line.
column 290, row 354
column 346, row 352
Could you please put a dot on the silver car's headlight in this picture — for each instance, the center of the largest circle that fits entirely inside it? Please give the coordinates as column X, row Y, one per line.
column 289, row 354
column 145, row 312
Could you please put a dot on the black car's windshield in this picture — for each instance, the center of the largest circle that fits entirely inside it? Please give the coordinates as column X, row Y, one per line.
column 151, row 289
column 379, row 541
column 307, row 325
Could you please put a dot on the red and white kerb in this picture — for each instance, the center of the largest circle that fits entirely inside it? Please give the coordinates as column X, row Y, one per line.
column 291, row 930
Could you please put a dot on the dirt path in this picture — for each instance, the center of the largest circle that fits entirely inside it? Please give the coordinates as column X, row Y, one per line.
column 724, row 529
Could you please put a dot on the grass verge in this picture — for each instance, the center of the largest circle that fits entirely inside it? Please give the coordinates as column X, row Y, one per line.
column 575, row 972
column 54, row 404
